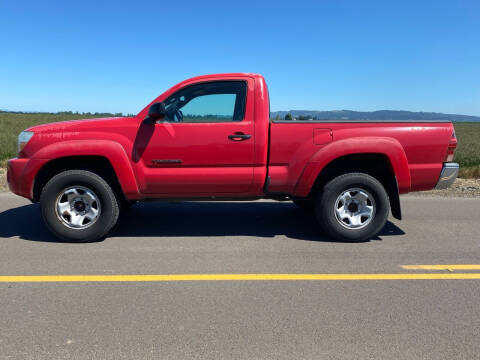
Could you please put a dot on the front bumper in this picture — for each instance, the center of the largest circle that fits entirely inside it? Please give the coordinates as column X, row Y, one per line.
column 15, row 177
column 448, row 175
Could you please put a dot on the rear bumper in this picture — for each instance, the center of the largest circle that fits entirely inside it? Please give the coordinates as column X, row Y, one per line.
column 448, row 175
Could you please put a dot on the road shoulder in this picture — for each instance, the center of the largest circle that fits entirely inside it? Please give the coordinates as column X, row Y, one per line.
column 463, row 188
column 3, row 179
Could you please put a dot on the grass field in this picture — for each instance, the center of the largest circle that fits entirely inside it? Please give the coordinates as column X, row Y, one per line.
column 11, row 124
column 468, row 150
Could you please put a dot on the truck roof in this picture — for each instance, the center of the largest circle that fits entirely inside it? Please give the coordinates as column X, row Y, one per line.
column 222, row 75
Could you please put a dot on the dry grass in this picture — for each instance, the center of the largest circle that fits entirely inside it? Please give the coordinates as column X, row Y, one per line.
column 3, row 179
column 469, row 172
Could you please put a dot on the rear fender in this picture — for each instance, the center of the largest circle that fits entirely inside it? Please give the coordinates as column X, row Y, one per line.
column 389, row 147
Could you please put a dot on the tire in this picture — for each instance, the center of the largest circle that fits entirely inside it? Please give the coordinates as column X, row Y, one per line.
column 79, row 206
column 343, row 201
column 305, row 204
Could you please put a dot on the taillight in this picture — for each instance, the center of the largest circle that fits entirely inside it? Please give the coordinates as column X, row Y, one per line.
column 452, row 145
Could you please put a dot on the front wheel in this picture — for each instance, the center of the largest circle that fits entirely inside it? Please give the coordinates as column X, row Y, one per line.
column 79, row 206
column 352, row 207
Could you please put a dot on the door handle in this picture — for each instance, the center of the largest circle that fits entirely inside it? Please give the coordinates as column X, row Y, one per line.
column 239, row 137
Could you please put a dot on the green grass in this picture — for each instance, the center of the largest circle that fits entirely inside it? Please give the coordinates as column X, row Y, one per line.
column 11, row 124
column 468, row 149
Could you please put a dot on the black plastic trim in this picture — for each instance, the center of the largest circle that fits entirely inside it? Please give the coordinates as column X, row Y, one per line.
column 394, row 197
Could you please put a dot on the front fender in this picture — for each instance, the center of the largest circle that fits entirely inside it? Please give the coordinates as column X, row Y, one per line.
column 389, row 147
column 111, row 150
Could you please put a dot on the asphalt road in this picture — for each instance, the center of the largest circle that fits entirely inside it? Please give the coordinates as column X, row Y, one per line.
column 298, row 319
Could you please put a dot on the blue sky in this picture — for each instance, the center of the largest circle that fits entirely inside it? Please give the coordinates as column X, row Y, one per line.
column 117, row 56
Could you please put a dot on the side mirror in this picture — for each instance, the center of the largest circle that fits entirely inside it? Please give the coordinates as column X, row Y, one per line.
column 156, row 111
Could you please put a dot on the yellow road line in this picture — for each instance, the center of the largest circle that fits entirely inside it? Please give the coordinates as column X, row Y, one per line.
column 441, row 267
column 236, row 277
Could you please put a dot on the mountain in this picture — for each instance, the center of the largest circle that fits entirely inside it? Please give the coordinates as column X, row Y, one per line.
column 325, row 115
column 372, row 115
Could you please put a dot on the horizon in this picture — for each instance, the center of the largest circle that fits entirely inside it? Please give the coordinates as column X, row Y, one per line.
column 302, row 111
column 107, row 57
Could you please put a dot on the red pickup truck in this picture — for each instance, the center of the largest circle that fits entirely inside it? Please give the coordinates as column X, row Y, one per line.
column 210, row 137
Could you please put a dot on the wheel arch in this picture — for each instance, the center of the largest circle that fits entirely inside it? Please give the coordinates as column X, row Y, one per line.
column 382, row 158
column 106, row 157
column 95, row 163
column 373, row 164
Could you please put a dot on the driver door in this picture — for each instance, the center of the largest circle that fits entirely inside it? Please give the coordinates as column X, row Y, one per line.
column 205, row 144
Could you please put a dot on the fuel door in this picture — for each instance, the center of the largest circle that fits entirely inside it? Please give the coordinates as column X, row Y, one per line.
column 322, row 136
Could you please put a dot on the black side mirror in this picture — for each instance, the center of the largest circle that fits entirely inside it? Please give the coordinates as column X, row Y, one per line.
column 156, row 111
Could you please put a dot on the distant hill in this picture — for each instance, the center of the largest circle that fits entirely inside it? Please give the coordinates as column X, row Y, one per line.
column 371, row 115
column 309, row 114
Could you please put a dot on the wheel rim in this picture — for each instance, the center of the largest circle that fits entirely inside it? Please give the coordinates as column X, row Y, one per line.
column 78, row 207
column 355, row 208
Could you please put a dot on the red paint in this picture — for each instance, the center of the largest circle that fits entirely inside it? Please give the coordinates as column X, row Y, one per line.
column 322, row 136
column 292, row 154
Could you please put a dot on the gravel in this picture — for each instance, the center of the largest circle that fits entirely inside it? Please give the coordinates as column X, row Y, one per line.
column 465, row 188
column 3, row 179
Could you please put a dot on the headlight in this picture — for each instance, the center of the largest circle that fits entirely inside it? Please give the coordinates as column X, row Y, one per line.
column 23, row 139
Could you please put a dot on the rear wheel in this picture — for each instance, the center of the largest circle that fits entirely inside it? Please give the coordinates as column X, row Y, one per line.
column 79, row 206
column 352, row 207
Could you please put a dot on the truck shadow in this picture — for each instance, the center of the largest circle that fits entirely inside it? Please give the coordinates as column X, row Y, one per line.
column 195, row 219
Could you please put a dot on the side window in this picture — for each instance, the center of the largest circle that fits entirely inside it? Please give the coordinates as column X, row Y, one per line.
column 219, row 101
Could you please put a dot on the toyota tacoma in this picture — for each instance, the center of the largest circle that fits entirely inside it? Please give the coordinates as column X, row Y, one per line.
column 211, row 137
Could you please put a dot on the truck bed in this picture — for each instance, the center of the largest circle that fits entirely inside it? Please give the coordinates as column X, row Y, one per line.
column 297, row 145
